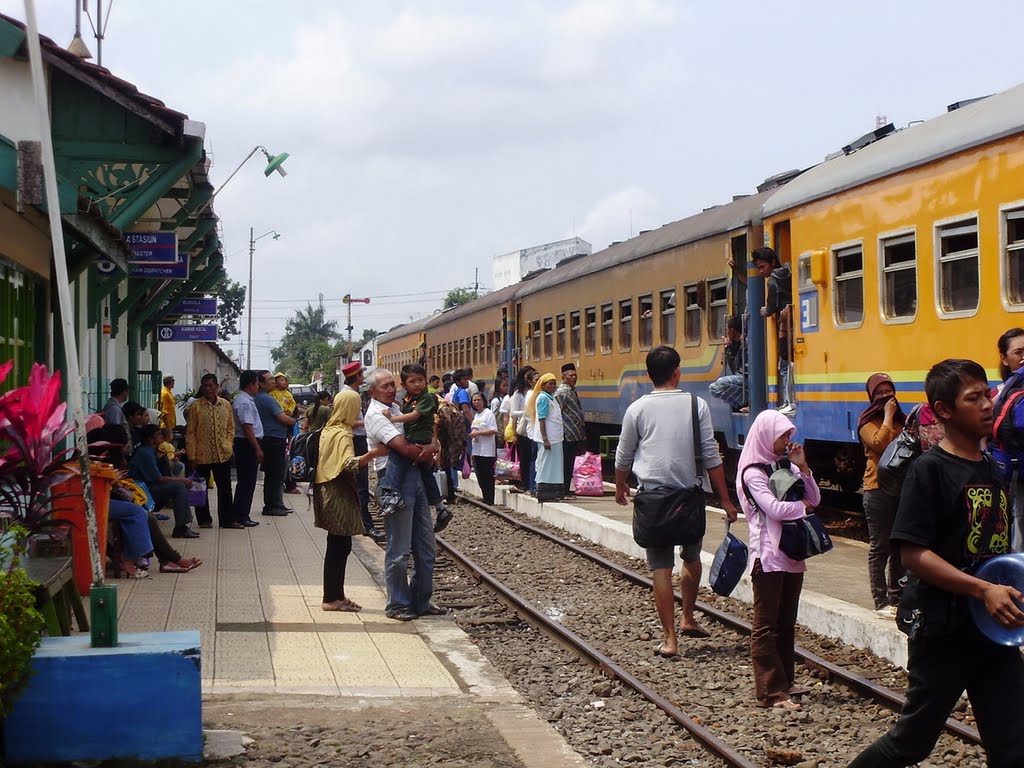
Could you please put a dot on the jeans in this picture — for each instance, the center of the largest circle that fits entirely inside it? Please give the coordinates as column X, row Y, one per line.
column 275, row 468
column 484, row 467
column 222, row 479
column 177, row 494
column 773, row 634
column 134, row 528
column 730, row 389
column 410, row 533
column 363, row 482
column 880, row 511
column 399, row 467
column 939, row 670
column 246, row 472
column 335, row 560
column 570, row 450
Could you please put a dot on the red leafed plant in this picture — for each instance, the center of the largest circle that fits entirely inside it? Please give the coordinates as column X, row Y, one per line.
column 33, row 430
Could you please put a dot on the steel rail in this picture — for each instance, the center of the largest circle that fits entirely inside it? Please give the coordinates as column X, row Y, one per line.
column 857, row 682
column 536, row 618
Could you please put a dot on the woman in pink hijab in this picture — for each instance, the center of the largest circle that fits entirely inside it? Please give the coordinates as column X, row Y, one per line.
column 777, row 579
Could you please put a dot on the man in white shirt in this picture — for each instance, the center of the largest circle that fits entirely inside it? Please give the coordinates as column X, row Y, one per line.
column 656, row 443
column 248, row 446
column 409, row 529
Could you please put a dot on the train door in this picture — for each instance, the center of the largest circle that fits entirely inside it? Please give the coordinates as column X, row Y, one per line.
column 738, row 296
column 786, row 370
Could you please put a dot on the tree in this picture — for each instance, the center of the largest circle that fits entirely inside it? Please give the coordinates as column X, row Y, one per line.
column 458, row 296
column 309, row 344
column 231, row 302
column 369, row 335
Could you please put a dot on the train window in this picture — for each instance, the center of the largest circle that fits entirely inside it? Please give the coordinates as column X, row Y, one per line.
column 848, row 268
column 959, row 270
column 574, row 333
column 535, row 340
column 646, row 321
column 483, row 348
column 691, row 329
column 560, row 336
column 718, row 307
column 607, row 320
column 591, row 330
column 1014, row 244
column 899, row 277
column 548, row 337
column 625, row 325
column 668, row 317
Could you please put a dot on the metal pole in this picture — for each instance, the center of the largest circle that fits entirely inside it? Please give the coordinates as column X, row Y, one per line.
column 349, row 327
column 99, row 32
column 248, row 348
column 108, row 635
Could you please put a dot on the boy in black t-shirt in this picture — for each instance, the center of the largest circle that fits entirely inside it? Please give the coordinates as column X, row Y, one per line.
column 954, row 515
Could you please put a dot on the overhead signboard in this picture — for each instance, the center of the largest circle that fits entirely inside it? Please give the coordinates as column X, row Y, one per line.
column 155, row 254
column 198, row 306
column 186, row 333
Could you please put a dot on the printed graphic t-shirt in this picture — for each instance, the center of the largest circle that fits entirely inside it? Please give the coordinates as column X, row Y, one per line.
column 958, row 509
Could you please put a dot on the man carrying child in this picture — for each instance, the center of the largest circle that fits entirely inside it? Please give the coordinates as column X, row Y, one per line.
column 418, row 410
column 953, row 516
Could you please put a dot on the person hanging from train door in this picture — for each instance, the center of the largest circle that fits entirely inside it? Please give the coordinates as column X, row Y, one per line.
column 731, row 385
column 778, row 298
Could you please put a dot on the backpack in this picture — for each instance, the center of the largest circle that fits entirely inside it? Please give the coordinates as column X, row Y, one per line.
column 1007, row 444
column 305, row 455
column 451, row 430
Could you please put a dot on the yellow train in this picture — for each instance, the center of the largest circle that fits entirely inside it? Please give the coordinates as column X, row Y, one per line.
column 907, row 247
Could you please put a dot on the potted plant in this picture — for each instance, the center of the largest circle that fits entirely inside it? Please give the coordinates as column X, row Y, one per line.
column 21, row 630
column 33, row 433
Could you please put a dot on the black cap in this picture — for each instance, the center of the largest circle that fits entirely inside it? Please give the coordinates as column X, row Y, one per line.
column 568, row 367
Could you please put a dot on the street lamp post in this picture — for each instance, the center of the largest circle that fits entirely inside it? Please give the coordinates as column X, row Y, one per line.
column 252, row 250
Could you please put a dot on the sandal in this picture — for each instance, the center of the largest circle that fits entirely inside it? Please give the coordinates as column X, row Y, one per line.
column 345, row 605
column 786, row 704
column 191, row 563
column 172, row 567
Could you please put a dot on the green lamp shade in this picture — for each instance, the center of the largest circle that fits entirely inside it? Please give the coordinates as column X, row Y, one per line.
column 275, row 164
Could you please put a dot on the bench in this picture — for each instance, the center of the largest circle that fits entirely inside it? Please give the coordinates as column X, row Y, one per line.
column 57, row 595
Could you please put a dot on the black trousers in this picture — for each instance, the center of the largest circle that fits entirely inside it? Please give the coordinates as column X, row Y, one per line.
column 177, row 495
column 246, row 472
column 570, row 450
column 484, row 466
column 526, row 457
column 222, row 479
column 335, row 561
column 275, row 469
column 885, row 569
column 939, row 670
column 363, row 482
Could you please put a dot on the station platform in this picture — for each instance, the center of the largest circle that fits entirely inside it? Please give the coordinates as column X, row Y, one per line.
column 835, row 602
column 256, row 603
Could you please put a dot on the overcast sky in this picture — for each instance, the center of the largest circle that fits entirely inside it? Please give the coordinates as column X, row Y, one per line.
column 427, row 137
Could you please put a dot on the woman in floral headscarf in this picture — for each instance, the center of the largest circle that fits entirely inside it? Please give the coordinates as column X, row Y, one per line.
column 547, row 433
column 880, row 424
column 776, row 578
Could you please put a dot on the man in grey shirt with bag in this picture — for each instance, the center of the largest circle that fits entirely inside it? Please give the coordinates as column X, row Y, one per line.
column 656, row 443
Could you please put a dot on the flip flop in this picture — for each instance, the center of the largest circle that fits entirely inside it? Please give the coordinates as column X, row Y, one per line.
column 799, row 690
column 193, row 563
column 345, row 607
column 787, row 705
column 694, row 632
column 659, row 651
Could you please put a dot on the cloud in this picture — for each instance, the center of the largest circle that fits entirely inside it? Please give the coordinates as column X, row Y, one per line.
column 620, row 215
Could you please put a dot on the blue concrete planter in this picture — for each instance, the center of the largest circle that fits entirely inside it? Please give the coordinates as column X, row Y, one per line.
column 141, row 700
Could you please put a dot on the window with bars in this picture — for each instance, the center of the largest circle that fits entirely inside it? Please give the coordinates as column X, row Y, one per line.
column 899, row 277
column 848, row 268
column 548, row 337
column 560, row 336
column 691, row 330
column 625, row 325
column 718, row 306
column 667, row 300
column 959, row 269
column 535, row 335
column 574, row 333
column 1013, row 226
column 646, row 321
column 591, row 330
column 607, row 331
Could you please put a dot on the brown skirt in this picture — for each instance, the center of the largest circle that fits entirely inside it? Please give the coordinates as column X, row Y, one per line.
column 336, row 506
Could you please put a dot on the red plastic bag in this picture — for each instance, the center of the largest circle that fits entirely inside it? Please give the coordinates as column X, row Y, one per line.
column 507, row 467
column 586, row 475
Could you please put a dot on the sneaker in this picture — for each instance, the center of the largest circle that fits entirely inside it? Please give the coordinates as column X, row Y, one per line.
column 788, row 410
column 444, row 516
column 376, row 534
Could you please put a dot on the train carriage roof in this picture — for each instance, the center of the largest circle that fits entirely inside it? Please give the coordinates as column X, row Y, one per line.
column 984, row 121
column 404, row 330
column 714, row 221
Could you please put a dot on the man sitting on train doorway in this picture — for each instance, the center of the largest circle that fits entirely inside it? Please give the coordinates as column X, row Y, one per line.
column 778, row 296
column 731, row 385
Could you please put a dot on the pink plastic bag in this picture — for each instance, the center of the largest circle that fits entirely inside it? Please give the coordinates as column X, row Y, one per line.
column 466, row 469
column 507, row 467
column 586, row 475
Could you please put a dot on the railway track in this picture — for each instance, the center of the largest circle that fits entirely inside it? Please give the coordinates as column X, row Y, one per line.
column 554, row 628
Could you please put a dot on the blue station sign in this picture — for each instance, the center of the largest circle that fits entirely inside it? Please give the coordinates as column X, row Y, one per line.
column 186, row 333
column 204, row 306
column 155, row 254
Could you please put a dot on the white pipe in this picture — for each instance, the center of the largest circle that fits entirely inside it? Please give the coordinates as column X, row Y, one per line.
column 74, row 379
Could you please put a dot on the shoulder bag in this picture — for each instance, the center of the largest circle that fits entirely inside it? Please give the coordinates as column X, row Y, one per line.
column 895, row 461
column 667, row 516
column 802, row 538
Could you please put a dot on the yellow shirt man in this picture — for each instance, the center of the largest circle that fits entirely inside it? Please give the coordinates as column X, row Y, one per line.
column 168, row 418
